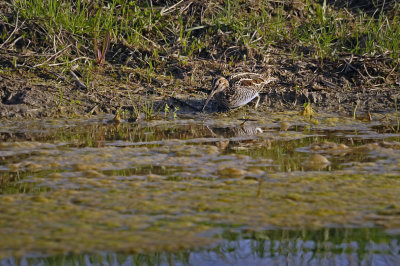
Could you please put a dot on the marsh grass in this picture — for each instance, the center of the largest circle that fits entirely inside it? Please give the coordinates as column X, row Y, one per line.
column 355, row 111
column 142, row 110
column 397, row 115
column 307, row 110
column 149, row 32
column 101, row 52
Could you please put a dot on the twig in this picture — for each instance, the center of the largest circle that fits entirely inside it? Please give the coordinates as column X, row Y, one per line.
column 391, row 72
column 17, row 39
column 16, row 28
column 165, row 11
column 93, row 109
column 64, row 63
column 369, row 116
column 183, row 9
column 53, row 56
column 366, row 71
column 147, row 39
column 77, row 80
column 329, row 84
column 348, row 65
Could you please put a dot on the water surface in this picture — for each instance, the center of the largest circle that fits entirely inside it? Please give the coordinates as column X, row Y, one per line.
column 200, row 189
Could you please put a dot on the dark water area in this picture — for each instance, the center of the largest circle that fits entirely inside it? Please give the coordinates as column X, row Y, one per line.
column 332, row 246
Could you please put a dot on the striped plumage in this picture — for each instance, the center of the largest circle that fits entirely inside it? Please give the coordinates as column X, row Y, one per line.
column 238, row 89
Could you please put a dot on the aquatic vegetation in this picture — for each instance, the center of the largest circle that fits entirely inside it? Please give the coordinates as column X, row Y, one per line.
column 181, row 181
column 307, row 110
column 142, row 109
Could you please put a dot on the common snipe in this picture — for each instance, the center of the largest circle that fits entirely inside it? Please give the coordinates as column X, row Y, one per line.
column 238, row 89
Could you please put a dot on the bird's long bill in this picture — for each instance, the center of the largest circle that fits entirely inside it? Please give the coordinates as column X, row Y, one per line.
column 208, row 99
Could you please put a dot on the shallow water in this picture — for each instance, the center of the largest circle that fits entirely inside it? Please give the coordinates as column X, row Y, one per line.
column 275, row 247
column 176, row 191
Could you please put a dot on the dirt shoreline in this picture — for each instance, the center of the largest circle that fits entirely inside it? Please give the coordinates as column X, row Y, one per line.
column 40, row 77
column 329, row 88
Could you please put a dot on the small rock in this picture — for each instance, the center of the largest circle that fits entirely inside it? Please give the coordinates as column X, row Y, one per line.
column 316, row 162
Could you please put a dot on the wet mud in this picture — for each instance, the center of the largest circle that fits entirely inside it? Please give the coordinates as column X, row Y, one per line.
column 329, row 87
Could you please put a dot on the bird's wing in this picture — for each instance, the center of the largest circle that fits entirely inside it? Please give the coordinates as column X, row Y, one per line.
column 252, row 80
column 234, row 78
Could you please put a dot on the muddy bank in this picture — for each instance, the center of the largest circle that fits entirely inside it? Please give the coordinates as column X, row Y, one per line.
column 339, row 57
column 332, row 87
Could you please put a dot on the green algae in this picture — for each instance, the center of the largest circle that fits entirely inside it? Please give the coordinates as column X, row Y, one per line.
column 167, row 190
column 131, row 217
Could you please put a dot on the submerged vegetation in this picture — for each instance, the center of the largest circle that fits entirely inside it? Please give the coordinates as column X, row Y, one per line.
column 164, row 185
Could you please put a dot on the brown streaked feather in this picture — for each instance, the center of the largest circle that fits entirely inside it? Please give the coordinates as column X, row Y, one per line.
column 238, row 89
column 252, row 80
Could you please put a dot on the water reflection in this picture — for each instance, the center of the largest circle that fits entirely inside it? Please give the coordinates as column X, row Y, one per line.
column 158, row 181
column 287, row 150
column 334, row 246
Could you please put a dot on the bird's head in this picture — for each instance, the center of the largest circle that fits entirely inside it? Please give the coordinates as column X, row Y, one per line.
column 218, row 85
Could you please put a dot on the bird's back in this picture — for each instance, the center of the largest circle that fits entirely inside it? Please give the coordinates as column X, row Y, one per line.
column 239, row 89
column 243, row 88
column 248, row 80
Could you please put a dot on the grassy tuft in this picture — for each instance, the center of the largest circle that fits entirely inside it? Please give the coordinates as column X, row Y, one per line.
column 155, row 35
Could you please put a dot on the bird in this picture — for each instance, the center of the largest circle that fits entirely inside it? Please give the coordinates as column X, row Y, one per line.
column 238, row 89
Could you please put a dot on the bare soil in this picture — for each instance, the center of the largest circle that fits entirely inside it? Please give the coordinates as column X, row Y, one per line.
column 368, row 83
column 364, row 83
